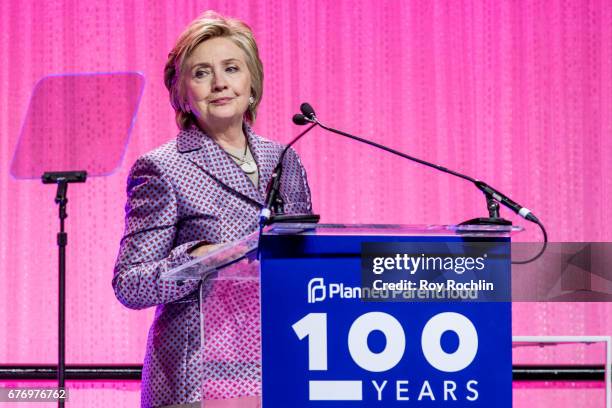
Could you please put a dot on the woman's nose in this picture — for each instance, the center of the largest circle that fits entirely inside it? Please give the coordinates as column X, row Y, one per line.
column 219, row 82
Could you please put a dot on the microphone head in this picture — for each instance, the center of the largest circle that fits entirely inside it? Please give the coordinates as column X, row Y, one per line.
column 299, row 119
column 307, row 110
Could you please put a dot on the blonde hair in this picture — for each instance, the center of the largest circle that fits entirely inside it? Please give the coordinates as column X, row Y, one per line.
column 211, row 25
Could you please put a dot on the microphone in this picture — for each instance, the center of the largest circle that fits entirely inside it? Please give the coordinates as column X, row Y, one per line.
column 505, row 200
column 492, row 195
column 273, row 200
column 300, row 119
column 308, row 111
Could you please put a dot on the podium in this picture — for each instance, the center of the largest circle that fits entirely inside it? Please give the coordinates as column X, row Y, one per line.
column 306, row 324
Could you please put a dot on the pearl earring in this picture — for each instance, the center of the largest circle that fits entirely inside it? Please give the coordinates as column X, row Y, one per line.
column 251, row 100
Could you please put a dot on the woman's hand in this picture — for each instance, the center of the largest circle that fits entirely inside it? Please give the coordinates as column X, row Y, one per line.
column 204, row 249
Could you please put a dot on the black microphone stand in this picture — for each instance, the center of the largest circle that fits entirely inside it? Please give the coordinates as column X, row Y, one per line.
column 62, row 179
column 272, row 210
column 493, row 196
column 492, row 204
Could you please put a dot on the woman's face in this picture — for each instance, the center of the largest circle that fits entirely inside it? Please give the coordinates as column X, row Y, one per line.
column 218, row 84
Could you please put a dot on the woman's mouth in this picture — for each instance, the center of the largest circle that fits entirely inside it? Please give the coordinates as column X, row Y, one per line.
column 220, row 101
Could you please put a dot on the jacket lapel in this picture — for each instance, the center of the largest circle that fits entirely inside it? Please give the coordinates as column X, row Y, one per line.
column 212, row 159
column 266, row 156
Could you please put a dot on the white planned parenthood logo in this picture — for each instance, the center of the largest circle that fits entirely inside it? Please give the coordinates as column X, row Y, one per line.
column 318, row 291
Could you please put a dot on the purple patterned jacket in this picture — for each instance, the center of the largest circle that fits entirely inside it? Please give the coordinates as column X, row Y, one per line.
column 180, row 194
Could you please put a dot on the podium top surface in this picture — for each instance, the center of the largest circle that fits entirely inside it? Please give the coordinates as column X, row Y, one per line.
column 233, row 252
column 393, row 230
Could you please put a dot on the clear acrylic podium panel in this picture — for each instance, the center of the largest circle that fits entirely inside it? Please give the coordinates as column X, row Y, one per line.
column 231, row 253
column 230, row 303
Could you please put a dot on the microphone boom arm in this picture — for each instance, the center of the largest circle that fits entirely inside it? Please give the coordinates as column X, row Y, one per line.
column 493, row 196
column 273, row 188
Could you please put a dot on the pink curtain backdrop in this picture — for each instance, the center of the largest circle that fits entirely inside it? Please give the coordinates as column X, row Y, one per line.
column 517, row 93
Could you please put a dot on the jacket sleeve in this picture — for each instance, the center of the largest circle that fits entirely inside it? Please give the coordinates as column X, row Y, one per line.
column 147, row 247
column 294, row 186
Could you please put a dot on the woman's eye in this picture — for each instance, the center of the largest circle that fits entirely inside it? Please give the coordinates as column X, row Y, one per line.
column 200, row 73
column 231, row 68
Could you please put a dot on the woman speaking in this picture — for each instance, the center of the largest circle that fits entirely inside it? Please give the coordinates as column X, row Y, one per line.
column 205, row 187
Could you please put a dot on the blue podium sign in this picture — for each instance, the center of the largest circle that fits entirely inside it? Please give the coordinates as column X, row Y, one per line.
column 325, row 346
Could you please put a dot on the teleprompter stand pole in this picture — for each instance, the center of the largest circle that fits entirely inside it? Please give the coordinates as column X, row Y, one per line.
column 62, row 179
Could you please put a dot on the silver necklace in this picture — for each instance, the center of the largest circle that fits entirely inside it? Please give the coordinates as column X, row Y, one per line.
column 248, row 166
